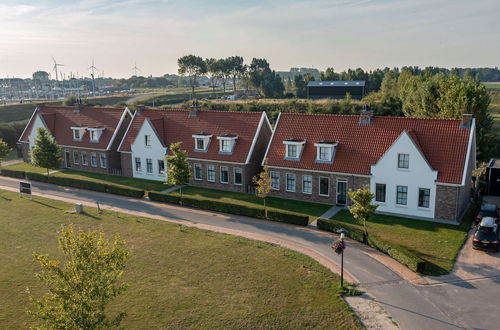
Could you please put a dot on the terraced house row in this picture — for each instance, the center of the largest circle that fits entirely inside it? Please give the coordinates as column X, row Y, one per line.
column 419, row 168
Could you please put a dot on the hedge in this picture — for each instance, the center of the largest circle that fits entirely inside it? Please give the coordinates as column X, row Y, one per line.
column 124, row 191
column 36, row 176
column 230, row 208
column 398, row 253
column 75, row 183
column 13, row 173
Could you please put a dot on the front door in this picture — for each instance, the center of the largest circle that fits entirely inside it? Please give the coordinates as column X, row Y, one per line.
column 341, row 192
column 67, row 159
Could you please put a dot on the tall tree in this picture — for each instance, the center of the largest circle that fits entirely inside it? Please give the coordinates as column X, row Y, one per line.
column 214, row 72
column 266, row 81
column 83, row 283
column 264, row 182
column 300, row 86
column 46, row 153
column 4, row 150
column 178, row 169
column 362, row 208
column 237, row 68
column 192, row 66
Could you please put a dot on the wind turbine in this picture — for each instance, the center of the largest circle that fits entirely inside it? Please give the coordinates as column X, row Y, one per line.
column 135, row 68
column 92, row 67
column 55, row 68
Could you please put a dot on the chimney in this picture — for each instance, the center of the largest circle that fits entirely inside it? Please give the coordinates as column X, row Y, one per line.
column 195, row 109
column 139, row 109
column 366, row 116
column 78, row 105
column 466, row 121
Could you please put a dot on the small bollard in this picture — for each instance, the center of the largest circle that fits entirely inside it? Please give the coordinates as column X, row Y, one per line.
column 79, row 208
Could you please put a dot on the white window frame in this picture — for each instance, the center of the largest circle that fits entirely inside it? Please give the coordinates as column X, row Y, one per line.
column 319, row 186
column 206, row 141
column 220, row 174
column 138, row 169
column 299, row 146
column 105, row 160
column 311, row 181
column 197, row 165
column 295, row 182
column 272, row 182
column 76, row 160
column 95, row 134
column 241, row 175
column 208, row 171
column 331, row 151
column 404, row 161
column 93, row 159
column 147, row 141
column 231, row 141
column 81, row 132
column 148, row 162
column 85, row 159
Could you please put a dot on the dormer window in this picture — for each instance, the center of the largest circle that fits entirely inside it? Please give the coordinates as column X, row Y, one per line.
column 226, row 143
column 293, row 148
column 201, row 141
column 95, row 134
column 78, row 133
column 325, row 151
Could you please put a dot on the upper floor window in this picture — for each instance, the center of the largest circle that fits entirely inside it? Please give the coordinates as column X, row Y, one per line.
column 78, row 133
column 325, row 151
column 403, row 161
column 201, row 141
column 293, row 148
column 147, row 140
column 226, row 143
column 95, row 134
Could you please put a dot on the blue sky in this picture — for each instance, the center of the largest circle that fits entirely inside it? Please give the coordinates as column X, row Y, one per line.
column 313, row 33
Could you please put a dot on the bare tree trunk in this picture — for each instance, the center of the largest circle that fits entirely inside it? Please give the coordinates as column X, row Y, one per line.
column 265, row 208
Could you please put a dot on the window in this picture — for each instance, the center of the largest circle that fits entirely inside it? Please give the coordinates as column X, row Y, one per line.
column 307, row 184
column 324, row 153
column 324, row 186
column 76, row 135
column 225, row 145
column 224, row 176
column 197, row 172
column 380, row 192
column 293, row 148
column 104, row 160
column 291, row 151
column 93, row 159
column 201, row 141
column 211, row 173
column 138, row 166
column 424, row 196
column 149, row 165
column 85, row 160
column 93, row 136
column 237, row 176
column 147, row 140
column 290, row 182
column 275, row 177
column 401, row 195
column 403, row 160
column 200, row 144
column 75, row 158
column 161, row 166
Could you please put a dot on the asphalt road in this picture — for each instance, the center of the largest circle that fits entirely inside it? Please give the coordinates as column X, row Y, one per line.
column 467, row 302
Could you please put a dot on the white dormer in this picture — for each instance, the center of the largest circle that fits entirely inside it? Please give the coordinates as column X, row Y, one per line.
column 227, row 143
column 201, row 141
column 293, row 148
column 78, row 133
column 95, row 134
column 325, row 151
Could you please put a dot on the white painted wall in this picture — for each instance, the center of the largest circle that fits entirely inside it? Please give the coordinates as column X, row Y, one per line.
column 34, row 130
column 156, row 152
column 418, row 175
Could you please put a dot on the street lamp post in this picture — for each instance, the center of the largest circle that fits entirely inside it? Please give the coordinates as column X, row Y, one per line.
column 339, row 246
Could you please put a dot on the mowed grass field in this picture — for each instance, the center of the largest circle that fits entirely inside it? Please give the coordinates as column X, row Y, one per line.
column 178, row 277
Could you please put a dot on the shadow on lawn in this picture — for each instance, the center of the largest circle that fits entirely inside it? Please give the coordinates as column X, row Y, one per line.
column 45, row 204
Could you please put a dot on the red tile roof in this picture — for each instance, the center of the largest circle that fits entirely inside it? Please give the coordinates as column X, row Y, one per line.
column 442, row 141
column 174, row 125
column 60, row 119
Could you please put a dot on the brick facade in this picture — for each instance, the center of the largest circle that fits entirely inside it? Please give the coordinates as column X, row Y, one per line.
column 246, row 170
column 126, row 162
column 447, row 202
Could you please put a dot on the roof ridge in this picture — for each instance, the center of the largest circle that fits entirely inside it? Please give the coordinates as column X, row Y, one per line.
column 388, row 117
column 206, row 110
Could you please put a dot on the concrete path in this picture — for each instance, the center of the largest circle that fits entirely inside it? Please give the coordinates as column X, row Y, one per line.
column 174, row 188
column 466, row 304
column 328, row 214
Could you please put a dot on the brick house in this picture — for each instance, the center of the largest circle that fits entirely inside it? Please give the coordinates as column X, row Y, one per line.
column 419, row 168
column 88, row 136
column 225, row 149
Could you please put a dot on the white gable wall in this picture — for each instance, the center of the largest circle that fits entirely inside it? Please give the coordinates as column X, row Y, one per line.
column 418, row 175
column 34, row 130
column 155, row 152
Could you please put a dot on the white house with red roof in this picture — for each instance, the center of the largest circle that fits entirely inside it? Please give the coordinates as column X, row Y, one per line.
column 88, row 136
column 416, row 167
column 225, row 149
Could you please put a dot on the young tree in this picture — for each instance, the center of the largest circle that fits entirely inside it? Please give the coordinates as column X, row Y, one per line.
column 4, row 150
column 362, row 208
column 82, row 284
column 178, row 169
column 192, row 66
column 46, row 152
column 263, row 181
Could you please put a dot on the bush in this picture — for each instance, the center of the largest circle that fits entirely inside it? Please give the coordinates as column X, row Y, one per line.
column 75, row 183
column 36, row 176
column 160, row 197
column 296, row 219
column 124, row 191
column 13, row 173
column 398, row 253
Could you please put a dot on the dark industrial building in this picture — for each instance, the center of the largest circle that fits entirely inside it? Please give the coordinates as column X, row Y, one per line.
column 493, row 177
column 335, row 89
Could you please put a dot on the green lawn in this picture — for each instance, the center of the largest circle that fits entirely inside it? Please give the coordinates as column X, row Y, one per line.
column 25, row 167
column 178, row 277
column 11, row 155
column 492, row 86
column 435, row 243
column 313, row 210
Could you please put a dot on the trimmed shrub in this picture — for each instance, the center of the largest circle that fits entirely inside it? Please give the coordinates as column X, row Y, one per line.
column 398, row 253
column 296, row 219
column 124, row 191
column 36, row 176
column 165, row 198
column 13, row 173
column 75, row 183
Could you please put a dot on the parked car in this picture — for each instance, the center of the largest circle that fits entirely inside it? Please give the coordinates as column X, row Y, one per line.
column 486, row 235
column 487, row 210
